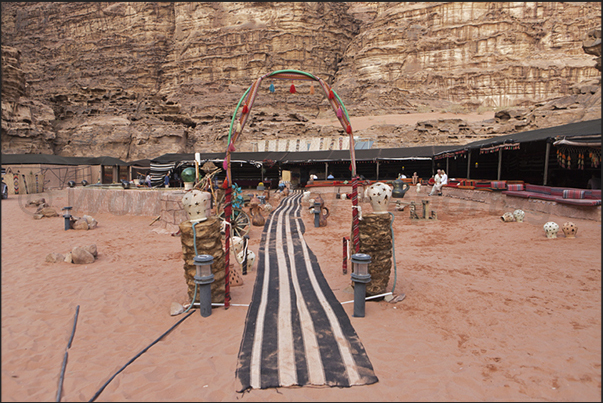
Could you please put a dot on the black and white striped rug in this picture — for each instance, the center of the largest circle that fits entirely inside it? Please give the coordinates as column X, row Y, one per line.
column 296, row 331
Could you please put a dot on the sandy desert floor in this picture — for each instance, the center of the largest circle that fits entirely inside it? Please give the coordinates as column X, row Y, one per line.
column 494, row 311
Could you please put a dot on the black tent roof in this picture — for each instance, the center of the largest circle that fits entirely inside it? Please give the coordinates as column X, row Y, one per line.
column 410, row 153
column 50, row 159
column 145, row 163
column 587, row 128
column 292, row 157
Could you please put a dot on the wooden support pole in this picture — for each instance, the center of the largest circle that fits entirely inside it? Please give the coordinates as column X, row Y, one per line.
column 546, row 162
column 499, row 163
column 468, row 163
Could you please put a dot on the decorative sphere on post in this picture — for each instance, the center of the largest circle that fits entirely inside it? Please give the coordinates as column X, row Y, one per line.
column 188, row 174
column 188, row 177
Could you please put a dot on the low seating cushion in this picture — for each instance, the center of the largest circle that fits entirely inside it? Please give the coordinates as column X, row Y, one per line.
column 538, row 189
column 573, row 194
column 482, row 184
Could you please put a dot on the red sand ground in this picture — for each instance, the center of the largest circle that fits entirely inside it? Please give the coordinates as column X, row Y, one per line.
column 493, row 311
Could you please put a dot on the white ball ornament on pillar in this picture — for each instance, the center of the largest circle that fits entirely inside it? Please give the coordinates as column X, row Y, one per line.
column 196, row 204
column 379, row 195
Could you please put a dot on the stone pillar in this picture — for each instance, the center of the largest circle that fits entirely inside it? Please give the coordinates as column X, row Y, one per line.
column 376, row 241
column 209, row 242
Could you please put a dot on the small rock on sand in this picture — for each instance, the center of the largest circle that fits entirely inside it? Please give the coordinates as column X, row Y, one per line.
column 80, row 255
column 68, row 258
column 55, row 257
column 80, row 224
column 92, row 249
column 176, row 309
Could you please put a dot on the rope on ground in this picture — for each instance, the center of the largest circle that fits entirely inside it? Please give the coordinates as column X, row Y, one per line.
column 138, row 355
column 61, row 377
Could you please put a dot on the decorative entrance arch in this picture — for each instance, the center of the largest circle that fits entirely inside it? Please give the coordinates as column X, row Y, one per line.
column 247, row 100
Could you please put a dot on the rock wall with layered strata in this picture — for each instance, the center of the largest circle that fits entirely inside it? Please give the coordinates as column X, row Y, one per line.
column 137, row 80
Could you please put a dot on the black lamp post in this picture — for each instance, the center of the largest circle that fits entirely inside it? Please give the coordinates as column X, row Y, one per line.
column 203, row 278
column 360, row 276
column 67, row 217
column 316, row 211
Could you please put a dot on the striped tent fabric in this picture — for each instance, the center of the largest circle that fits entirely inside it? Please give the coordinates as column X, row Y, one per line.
column 296, row 331
column 158, row 172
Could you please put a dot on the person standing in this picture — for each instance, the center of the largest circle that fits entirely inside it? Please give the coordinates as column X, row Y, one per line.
column 415, row 178
column 166, row 180
column 148, row 179
column 437, row 185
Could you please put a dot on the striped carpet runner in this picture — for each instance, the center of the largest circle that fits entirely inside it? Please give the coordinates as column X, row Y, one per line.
column 296, row 331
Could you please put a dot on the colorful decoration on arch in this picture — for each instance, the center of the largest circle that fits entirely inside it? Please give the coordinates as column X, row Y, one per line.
column 248, row 99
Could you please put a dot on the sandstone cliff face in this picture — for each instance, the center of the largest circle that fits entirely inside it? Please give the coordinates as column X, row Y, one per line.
column 26, row 123
column 137, row 80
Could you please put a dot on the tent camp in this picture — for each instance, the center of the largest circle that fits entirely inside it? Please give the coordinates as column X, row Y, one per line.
column 566, row 155
column 535, row 156
column 34, row 173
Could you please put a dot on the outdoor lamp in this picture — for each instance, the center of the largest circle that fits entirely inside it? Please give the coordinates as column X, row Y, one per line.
column 67, row 217
column 316, row 211
column 203, row 278
column 360, row 276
